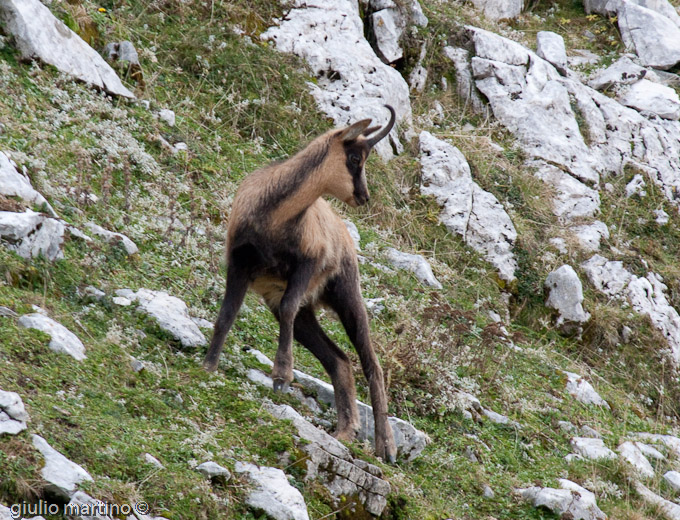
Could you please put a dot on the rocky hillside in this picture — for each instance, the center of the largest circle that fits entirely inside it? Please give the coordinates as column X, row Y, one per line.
column 519, row 258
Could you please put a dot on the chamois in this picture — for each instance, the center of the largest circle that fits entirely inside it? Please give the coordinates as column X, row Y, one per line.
column 286, row 243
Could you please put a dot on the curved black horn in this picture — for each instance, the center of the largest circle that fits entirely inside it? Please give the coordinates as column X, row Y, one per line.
column 386, row 129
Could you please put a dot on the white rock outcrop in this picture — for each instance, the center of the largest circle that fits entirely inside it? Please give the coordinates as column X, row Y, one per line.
column 571, row 501
column 583, row 391
column 566, row 295
column 14, row 184
column 62, row 475
column 592, row 448
column 465, row 84
column 352, row 82
column 647, row 96
column 560, row 122
column 387, row 28
column 409, row 440
column 668, row 508
column 550, row 47
column 655, row 38
column 272, row 492
column 31, row 234
column 13, row 415
column 39, row 34
column 622, row 72
column 111, row 236
column 170, row 312
column 62, row 340
column 500, row 9
column 417, row 264
column 646, row 296
column 672, row 478
column 467, row 209
column 331, row 462
column 632, row 454
column 211, row 470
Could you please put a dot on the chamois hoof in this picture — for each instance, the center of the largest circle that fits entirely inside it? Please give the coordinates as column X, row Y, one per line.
column 210, row 366
column 281, row 386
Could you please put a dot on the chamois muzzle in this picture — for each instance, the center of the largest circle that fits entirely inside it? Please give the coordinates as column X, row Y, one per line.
column 386, row 129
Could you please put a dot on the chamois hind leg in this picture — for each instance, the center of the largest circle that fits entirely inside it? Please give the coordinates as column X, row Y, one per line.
column 237, row 285
column 309, row 333
column 343, row 294
column 282, row 372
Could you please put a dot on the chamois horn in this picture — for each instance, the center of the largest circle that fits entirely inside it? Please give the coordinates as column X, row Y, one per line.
column 386, row 129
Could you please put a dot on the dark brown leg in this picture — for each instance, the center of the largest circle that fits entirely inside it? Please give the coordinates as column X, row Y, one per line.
column 282, row 372
column 310, row 334
column 344, row 296
column 237, row 285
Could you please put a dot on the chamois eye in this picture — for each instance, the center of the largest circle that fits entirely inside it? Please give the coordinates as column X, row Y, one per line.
column 354, row 160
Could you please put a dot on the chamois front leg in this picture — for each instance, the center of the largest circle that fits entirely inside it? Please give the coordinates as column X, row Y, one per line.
column 237, row 285
column 344, row 295
column 282, row 372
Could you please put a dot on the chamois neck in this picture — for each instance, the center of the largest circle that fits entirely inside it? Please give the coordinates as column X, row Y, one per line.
column 300, row 181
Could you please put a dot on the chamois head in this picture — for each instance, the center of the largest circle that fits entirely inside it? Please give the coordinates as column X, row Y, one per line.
column 353, row 146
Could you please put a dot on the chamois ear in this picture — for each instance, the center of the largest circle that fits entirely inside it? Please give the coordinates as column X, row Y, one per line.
column 370, row 130
column 352, row 132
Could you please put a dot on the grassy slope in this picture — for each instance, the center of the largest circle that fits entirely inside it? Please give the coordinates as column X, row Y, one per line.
column 239, row 105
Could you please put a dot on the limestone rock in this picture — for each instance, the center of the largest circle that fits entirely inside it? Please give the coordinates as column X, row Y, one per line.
column 646, row 296
column 590, row 235
column 170, row 312
column 650, row 451
column 612, row 7
column 500, row 9
column 62, row 340
column 14, row 184
column 272, row 493
column 572, row 501
column 331, row 462
column 669, row 509
column 654, row 37
column 417, row 264
column 13, row 415
column 621, row 72
column 150, row 459
column 63, row 475
column 409, row 440
column 352, row 82
column 211, row 470
column 574, row 199
column 593, row 449
column 632, row 454
column 583, row 391
column 636, row 186
column 550, row 47
column 38, row 34
column 566, row 295
column 125, row 55
column 417, row 79
column 647, row 96
column 673, row 479
column 31, row 234
column 167, row 115
column 466, row 208
column 465, row 84
column 354, row 233
column 388, row 28
column 110, row 236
